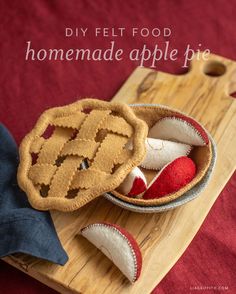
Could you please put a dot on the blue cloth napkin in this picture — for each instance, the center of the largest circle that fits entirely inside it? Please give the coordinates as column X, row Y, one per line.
column 22, row 228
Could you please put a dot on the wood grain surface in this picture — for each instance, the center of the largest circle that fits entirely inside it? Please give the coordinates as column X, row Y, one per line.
column 162, row 237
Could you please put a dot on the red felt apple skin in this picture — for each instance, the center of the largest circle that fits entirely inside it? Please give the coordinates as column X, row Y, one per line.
column 138, row 187
column 134, row 184
column 172, row 178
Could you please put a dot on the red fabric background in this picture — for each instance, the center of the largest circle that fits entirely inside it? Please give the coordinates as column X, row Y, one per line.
column 28, row 88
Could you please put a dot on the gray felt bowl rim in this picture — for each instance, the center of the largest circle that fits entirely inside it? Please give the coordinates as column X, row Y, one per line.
column 185, row 198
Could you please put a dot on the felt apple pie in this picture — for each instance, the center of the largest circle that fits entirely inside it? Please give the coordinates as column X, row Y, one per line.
column 78, row 152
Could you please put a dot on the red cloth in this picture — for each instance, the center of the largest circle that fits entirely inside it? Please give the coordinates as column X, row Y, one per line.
column 28, row 88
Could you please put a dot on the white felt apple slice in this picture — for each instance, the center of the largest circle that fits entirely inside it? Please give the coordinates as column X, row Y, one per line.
column 180, row 128
column 118, row 245
column 171, row 178
column 134, row 184
column 160, row 152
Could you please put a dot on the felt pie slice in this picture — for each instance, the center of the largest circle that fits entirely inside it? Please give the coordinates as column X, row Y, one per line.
column 134, row 184
column 181, row 129
column 171, row 178
column 160, row 152
column 118, row 245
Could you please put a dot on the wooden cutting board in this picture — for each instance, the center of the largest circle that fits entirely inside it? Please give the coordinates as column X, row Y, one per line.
column 162, row 237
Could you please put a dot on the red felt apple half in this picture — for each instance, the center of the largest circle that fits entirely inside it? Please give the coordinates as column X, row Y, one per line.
column 171, row 178
column 160, row 152
column 134, row 183
column 181, row 129
column 118, row 245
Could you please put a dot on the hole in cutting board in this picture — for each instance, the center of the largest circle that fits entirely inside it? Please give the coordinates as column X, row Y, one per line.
column 214, row 69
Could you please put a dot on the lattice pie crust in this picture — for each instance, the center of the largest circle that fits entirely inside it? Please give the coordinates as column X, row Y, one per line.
column 50, row 169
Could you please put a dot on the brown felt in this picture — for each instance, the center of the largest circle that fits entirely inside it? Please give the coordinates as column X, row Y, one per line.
column 124, row 155
column 109, row 150
column 53, row 146
column 63, row 177
column 117, row 125
column 91, row 130
column 74, row 121
column 81, row 147
column 42, row 173
column 92, row 124
column 37, row 145
column 88, row 177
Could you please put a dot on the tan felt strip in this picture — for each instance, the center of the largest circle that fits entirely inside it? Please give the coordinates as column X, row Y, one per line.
column 117, row 125
column 52, row 147
column 123, row 156
column 84, row 179
column 42, row 173
column 92, row 123
column 63, row 177
column 37, row 145
column 109, row 149
column 73, row 121
column 85, row 148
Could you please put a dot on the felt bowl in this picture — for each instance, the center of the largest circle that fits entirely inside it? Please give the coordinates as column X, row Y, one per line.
column 203, row 156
